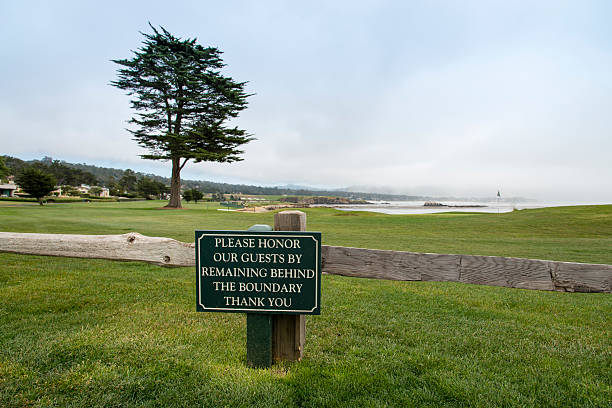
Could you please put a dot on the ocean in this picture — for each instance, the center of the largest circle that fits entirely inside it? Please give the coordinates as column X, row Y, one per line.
column 416, row 207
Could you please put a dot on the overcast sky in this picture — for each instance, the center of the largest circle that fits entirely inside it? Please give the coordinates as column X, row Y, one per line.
column 426, row 97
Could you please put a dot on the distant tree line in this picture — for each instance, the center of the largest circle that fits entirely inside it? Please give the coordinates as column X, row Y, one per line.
column 4, row 171
column 124, row 181
column 132, row 184
column 61, row 172
column 321, row 200
column 192, row 195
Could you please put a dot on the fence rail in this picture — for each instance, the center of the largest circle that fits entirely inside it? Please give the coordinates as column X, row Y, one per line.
column 346, row 261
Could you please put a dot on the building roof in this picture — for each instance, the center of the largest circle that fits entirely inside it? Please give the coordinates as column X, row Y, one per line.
column 8, row 187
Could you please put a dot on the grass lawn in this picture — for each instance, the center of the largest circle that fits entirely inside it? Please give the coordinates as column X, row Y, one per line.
column 577, row 234
column 79, row 332
column 76, row 332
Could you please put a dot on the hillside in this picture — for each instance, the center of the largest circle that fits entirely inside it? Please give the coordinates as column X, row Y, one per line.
column 104, row 173
column 107, row 175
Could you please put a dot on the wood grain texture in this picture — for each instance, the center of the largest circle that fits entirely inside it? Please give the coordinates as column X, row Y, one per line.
column 289, row 331
column 480, row 270
column 507, row 272
column 288, row 337
column 357, row 262
column 127, row 247
column 576, row 277
column 290, row 221
column 393, row 265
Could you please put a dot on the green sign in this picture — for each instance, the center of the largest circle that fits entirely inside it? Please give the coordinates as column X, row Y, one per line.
column 258, row 272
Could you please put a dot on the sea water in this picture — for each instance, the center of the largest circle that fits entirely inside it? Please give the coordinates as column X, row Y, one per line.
column 417, row 207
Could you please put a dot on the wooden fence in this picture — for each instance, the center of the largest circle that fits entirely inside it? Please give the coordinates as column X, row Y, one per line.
column 357, row 262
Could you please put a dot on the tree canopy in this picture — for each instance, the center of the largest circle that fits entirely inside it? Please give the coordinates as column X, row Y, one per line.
column 36, row 183
column 4, row 171
column 188, row 195
column 196, row 194
column 67, row 175
column 128, row 181
column 63, row 173
column 183, row 103
column 150, row 188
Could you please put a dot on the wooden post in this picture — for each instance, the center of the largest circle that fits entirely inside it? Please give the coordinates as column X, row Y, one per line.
column 259, row 329
column 259, row 340
column 288, row 331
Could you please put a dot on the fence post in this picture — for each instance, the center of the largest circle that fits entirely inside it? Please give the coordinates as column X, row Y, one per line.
column 259, row 340
column 288, row 331
column 259, row 329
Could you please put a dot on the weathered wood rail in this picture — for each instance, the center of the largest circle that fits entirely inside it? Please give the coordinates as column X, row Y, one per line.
column 357, row 262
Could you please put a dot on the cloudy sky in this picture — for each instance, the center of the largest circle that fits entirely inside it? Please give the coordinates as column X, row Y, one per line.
column 423, row 97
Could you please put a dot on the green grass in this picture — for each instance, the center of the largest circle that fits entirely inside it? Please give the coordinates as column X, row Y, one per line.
column 577, row 234
column 76, row 332
column 83, row 333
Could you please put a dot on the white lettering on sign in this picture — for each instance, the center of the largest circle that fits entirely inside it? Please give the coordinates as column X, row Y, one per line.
column 289, row 243
column 262, row 258
column 260, row 272
column 234, row 272
column 243, row 301
column 269, row 287
column 225, row 257
column 292, row 273
column 225, row 286
column 234, row 242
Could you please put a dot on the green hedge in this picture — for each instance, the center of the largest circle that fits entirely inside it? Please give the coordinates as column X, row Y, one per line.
column 121, row 199
column 18, row 199
column 59, row 200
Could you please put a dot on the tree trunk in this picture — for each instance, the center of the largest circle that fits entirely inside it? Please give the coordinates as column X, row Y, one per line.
column 175, row 184
column 40, row 201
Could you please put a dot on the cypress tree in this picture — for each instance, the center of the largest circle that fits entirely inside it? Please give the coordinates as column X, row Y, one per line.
column 36, row 183
column 183, row 103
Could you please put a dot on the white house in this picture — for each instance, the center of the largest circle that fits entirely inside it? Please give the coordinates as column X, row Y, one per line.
column 7, row 190
column 83, row 189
